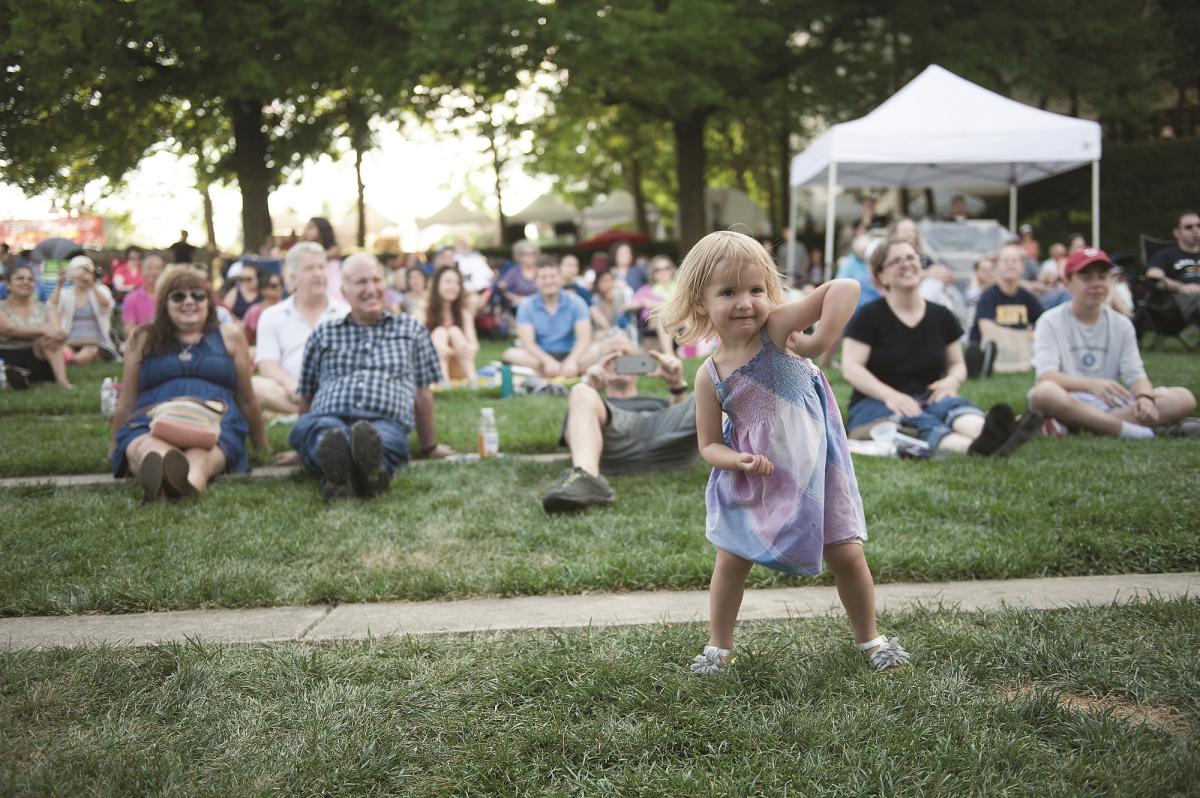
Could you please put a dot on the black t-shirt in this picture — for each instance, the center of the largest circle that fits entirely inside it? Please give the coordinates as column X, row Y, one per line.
column 1180, row 266
column 902, row 357
column 1018, row 312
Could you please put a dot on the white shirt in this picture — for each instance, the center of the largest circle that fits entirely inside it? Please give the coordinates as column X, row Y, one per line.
column 283, row 332
column 476, row 273
column 1106, row 349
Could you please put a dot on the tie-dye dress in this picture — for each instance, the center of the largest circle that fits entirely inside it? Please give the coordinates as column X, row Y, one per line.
column 781, row 406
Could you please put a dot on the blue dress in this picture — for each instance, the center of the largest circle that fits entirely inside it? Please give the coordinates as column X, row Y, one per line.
column 208, row 374
column 781, row 406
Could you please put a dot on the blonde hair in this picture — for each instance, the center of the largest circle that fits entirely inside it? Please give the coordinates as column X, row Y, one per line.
column 724, row 248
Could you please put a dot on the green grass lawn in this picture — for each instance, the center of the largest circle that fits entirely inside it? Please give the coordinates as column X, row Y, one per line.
column 1082, row 506
column 1073, row 702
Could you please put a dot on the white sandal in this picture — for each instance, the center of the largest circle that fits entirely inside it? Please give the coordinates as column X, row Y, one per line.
column 888, row 656
column 712, row 661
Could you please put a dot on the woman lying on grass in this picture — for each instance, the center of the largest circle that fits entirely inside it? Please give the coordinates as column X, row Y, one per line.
column 782, row 491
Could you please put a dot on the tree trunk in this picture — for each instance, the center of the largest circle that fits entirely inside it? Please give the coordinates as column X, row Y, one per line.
column 689, row 169
column 254, row 177
column 633, row 184
column 362, row 202
column 497, row 166
column 785, row 179
column 210, row 229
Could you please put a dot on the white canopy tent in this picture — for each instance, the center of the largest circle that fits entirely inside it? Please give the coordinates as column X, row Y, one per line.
column 941, row 130
column 546, row 209
column 454, row 217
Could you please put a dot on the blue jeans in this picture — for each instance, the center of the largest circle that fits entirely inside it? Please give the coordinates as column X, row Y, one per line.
column 309, row 430
column 932, row 425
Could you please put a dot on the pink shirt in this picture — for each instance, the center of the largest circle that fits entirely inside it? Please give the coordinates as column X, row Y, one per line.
column 137, row 308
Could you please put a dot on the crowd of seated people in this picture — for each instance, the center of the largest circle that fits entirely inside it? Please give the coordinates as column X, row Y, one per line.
column 357, row 373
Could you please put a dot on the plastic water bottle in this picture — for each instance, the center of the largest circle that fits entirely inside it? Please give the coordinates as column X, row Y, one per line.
column 489, row 437
column 108, row 398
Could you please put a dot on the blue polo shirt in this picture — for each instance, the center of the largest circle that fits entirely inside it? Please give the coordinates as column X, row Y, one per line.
column 553, row 332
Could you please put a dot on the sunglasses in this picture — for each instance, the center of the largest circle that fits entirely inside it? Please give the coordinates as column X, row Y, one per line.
column 179, row 297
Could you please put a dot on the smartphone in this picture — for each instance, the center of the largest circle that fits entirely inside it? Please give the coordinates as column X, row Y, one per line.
column 634, row 364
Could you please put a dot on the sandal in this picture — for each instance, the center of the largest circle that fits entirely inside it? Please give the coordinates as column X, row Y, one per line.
column 713, row 661
column 175, row 469
column 150, row 474
column 889, row 655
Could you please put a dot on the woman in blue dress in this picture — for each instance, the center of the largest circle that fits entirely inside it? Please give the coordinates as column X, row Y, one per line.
column 184, row 352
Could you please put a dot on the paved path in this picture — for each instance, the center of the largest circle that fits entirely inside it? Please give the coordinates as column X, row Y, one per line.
column 267, row 472
column 356, row 621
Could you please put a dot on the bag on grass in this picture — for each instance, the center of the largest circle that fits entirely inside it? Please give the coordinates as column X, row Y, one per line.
column 1014, row 349
column 187, row 423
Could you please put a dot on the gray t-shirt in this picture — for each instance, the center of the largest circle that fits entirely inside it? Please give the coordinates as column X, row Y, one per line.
column 1106, row 349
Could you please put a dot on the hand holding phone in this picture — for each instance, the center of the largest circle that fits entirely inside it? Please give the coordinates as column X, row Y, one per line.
column 634, row 364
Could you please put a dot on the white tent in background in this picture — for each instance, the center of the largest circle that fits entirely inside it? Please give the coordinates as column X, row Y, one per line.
column 942, row 130
column 454, row 218
column 546, row 209
column 726, row 207
column 345, row 227
column 616, row 210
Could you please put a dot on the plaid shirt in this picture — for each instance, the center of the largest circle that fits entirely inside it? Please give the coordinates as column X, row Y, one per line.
column 353, row 370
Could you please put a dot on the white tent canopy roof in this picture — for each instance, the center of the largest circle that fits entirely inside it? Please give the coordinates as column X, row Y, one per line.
column 943, row 130
column 455, row 213
column 547, row 209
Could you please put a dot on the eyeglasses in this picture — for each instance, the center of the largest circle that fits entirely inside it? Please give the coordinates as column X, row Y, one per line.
column 179, row 297
column 1193, row 226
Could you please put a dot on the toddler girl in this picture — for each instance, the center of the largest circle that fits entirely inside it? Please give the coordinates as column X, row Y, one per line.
column 782, row 491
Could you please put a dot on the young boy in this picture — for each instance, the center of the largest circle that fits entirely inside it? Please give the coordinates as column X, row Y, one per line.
column 1089, row 371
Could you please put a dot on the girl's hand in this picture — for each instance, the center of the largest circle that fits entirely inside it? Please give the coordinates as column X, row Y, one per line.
column 755, row 464
column 804, row 345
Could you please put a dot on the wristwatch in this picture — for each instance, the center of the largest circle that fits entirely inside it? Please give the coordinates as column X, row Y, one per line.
column 677, row 390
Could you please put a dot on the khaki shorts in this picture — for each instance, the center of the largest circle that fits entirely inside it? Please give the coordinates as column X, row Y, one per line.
column 648, row 440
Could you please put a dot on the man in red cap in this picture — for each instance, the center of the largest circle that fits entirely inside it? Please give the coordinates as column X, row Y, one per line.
column 1089, row 371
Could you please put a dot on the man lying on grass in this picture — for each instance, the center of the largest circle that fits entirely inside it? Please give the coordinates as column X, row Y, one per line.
column 1089, row 371
column 618, row 431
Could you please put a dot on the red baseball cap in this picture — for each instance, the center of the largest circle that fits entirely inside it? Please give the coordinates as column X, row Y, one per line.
column 1080, row 259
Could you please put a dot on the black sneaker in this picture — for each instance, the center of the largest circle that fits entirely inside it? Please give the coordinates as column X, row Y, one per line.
column 575, row 490
column 366, row 448
column 333, row 456
column 1031, row 424
column 998, row 425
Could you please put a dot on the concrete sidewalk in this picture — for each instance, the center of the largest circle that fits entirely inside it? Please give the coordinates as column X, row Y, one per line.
column 262, row 472
column 356, row 621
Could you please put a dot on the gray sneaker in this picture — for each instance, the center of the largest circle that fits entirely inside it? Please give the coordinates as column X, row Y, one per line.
column 575, row 490
column 1183, row 428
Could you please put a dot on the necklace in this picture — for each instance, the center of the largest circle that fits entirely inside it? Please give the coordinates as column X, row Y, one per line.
column 186, row 354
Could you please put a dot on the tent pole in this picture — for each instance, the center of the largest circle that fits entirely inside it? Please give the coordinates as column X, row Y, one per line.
column 1096, row 204
column 1012, row 208
column 830, row 218
column 793, row 216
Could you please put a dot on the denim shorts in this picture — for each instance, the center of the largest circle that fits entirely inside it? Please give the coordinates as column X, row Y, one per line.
column 932, row 425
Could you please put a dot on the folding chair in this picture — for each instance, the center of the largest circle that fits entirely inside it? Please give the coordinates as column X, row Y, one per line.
column 1155, row 309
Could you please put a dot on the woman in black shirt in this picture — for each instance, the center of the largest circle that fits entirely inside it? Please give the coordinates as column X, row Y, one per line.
column 902, row 356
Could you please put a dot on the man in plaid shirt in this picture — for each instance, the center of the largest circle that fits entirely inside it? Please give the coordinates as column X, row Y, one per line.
column 363, row 386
